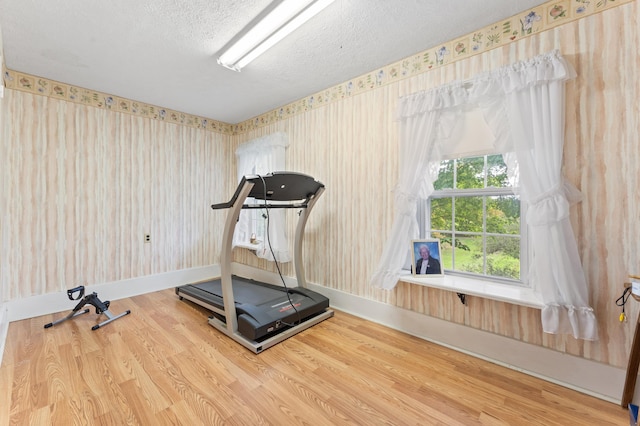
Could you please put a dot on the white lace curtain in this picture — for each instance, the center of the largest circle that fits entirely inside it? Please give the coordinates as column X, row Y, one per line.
column 261, row 156
column 523, row 104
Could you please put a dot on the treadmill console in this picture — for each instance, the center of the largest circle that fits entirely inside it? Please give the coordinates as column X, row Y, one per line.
column 277, row 186
column 283, row 186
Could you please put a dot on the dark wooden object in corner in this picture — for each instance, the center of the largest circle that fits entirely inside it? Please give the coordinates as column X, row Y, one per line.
column 634, row 361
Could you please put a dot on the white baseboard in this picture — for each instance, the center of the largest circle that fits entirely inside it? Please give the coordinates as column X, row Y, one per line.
column 261, row 275
column 583, row 375
column 51, row 303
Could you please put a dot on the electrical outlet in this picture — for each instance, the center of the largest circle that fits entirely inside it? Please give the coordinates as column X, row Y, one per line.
column 147, row 238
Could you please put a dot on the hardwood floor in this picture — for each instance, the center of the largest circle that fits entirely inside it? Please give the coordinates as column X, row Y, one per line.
column 164, row 364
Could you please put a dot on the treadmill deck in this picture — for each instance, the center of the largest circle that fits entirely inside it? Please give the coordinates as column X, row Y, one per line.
column 262, row 309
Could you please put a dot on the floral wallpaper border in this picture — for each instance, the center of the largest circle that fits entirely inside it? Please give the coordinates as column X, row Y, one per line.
column 546, row 16
column 37, row 85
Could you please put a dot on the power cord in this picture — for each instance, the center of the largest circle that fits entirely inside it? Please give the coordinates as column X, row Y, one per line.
column 622, row 300
column 275, row 260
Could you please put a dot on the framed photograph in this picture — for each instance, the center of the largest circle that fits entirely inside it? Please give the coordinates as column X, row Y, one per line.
column 426, row 257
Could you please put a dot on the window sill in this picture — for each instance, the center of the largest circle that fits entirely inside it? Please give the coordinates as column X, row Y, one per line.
column 248, row 245
column 474, row 287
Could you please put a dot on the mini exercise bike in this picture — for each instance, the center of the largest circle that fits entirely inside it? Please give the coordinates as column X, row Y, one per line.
column 90, row 299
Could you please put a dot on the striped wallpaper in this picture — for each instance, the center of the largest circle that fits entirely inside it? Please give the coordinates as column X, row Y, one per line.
column 81, row 185
column 351, row 146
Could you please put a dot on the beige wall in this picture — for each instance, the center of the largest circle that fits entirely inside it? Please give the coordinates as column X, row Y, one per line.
column 351, row 146
column 81, row 185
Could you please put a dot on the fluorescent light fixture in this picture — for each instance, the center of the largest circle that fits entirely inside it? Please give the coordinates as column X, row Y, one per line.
column 276, row 25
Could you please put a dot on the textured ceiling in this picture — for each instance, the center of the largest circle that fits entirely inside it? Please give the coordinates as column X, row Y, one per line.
column 163, row 52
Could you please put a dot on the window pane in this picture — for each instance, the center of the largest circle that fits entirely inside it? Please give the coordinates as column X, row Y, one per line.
column 470, row 173
column 503, row 257
column 503, row 214
column 468, row 255
column 497, row 172
column 441, row 218
column 468, row 214
column 445, row 176
column 446, row 249
column 479, row 230
column 260, row 224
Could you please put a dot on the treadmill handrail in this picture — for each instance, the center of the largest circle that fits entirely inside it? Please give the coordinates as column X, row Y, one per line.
column 275, row 206
column 235, row 195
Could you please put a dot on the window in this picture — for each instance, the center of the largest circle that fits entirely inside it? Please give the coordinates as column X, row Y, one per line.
column 261, row 156
column 257, row 222
column 475, row 212
column 523, row 105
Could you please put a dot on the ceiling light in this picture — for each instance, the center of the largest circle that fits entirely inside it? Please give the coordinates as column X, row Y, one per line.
column 276, row 25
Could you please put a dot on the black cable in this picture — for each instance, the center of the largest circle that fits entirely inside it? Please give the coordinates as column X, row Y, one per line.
column 266, row 209
column 622, row 300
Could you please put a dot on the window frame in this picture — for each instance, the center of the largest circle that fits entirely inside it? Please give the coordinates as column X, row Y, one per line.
column 255, row 217
column 424, row 223
column 255, row 157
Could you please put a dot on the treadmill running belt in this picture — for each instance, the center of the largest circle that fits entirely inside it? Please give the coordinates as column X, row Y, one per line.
column 243, row 291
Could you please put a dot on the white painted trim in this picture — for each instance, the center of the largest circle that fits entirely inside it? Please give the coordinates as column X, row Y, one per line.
column 50, row 303
column 261, row 275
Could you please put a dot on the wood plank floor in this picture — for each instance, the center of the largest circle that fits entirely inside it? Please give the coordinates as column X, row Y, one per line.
column 164, row 365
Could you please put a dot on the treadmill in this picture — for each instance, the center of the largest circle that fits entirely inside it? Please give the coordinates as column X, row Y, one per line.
column 256, row 314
